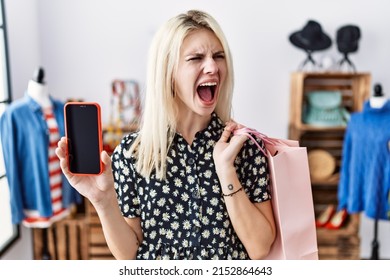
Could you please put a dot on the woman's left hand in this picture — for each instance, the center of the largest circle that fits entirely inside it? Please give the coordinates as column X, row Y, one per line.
column 227, row 148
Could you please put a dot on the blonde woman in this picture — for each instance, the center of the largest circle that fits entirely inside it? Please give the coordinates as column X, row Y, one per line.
column 185, row 186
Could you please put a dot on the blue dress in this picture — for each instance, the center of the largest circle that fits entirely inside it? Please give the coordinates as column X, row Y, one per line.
column 365, row 171
column 184, row 216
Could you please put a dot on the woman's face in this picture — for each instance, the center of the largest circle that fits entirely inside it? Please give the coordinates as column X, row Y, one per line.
column 200, row 74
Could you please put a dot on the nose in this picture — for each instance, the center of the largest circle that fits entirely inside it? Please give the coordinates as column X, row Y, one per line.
column 210, row 66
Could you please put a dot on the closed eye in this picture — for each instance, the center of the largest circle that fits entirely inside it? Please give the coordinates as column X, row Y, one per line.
column 193, row 58
column 220, row 55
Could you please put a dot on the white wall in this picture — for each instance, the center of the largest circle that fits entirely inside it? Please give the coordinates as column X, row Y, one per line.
column 85, row 44
column 24, row 50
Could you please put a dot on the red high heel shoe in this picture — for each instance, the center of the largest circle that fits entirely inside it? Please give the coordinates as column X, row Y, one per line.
column 337, row 220
column 325, row 216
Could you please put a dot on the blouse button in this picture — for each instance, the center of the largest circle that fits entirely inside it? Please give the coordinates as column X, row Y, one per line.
column 196, row 229
column 191, row 161
column 196, row 194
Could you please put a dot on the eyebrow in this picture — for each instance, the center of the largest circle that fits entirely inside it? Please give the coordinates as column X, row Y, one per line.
column 202, row 54
column 219, row 52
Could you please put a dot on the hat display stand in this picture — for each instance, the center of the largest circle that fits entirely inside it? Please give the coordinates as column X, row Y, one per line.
column 309, row 64
column 346, row 65
column 347, row 38
column 310, row 39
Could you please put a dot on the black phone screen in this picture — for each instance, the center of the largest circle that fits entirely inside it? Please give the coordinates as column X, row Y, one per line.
column 83, row 131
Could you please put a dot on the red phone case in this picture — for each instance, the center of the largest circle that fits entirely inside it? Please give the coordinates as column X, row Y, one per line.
column 99, row 133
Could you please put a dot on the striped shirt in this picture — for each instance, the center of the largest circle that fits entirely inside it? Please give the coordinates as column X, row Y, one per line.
column 33, row 219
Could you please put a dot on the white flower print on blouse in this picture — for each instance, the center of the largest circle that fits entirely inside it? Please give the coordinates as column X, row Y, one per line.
column 184, row 216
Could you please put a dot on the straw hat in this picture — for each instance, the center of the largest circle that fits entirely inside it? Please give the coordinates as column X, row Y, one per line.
column 321, row 163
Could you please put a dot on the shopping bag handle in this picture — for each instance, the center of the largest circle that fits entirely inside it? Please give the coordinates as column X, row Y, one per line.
column 267, row 140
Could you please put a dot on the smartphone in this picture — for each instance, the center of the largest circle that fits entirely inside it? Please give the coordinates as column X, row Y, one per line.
column 84, row 137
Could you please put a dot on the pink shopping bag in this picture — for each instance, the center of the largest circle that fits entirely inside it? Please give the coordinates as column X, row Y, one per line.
column 292, row 200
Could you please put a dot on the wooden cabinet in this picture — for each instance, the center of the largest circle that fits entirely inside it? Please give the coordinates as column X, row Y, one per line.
column 355, row 89
column 80, row 236
column 113, row 134
column 97, row 245
column 64, row 240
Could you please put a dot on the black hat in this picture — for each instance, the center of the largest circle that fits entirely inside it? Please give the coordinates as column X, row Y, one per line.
column 311, row 37
column 347, row 38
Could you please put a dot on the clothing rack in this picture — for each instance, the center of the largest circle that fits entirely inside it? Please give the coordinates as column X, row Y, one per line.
column 375, row 243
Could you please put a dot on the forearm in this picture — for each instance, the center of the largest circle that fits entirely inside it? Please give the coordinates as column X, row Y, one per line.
column 120, row 237
column 255, row 229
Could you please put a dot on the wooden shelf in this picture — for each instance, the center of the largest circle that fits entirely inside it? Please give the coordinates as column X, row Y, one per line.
column 98, row 248
column 113, row 134
column 343, row 243
column 65, row 240
column 121, row 127
column 331, row 181
column 306, row 127
column 355, row 89
column 79, row 237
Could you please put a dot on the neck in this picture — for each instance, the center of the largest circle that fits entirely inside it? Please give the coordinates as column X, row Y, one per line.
column 39, row 92
column 189, row 125
column 377, row 101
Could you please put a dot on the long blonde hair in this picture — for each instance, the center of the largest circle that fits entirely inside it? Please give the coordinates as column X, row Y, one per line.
column 158, row 125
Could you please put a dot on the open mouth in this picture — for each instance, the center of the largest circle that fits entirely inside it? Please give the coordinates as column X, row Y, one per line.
column 206, row 91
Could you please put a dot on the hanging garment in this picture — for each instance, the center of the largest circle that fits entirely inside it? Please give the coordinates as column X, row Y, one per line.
column 365, row 171
column 33, row 218
column 25, row 140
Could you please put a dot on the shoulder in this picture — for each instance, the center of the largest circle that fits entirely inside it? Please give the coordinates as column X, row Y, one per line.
column 17, row 110
column 123, row 149
column 18, row 104
column 129, row 139
column 255, row 144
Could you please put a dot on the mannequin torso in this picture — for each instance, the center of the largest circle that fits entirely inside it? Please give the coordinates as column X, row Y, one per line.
column 377, row 101
column 40, row 93
column 38, row 90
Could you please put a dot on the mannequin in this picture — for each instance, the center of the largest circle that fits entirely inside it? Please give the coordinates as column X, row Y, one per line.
column 38, row 89
column 378, row 99
column 30, row 128
column 365, row 172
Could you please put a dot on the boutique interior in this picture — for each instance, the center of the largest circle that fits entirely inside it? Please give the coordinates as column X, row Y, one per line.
column 312, row 71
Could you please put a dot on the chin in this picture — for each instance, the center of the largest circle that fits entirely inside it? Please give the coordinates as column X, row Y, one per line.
column 205, row 112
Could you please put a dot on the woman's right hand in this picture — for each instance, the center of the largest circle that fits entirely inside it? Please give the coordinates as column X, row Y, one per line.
column 99, row 189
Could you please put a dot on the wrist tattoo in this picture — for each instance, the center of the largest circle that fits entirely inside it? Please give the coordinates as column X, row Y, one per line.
column 230, row 187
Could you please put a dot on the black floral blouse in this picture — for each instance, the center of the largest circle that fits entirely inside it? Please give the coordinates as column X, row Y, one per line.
column 184, row 216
